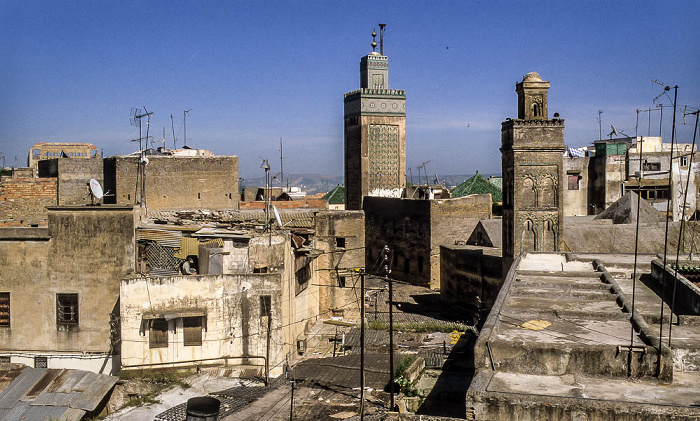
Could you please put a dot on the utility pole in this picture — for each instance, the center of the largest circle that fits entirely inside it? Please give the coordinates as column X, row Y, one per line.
column 267, row 346
column 362, row 345
column 600, row 125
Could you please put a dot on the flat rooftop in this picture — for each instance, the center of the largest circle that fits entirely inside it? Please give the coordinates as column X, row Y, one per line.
column 562, row 339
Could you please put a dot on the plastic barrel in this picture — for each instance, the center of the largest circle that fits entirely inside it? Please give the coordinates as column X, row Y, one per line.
column 203, row 408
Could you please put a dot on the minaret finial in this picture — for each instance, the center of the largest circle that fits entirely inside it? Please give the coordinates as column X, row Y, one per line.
column 374, row 42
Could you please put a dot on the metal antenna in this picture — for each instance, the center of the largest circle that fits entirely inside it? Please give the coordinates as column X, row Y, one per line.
column 600, row 126
column 172, row 127
column 422, row 166
column 184, row 118
column 381, row 37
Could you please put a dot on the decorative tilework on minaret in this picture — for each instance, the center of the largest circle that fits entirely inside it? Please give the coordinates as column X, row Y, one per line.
column 375, row 134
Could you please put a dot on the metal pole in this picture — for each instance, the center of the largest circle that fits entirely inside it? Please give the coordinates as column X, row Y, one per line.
column 267, row 347
column 291, row 405
column 387, row 271
column 362, row 346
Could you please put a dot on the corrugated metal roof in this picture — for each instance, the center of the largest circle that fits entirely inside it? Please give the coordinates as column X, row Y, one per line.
column 168, row 238
column 41, row 394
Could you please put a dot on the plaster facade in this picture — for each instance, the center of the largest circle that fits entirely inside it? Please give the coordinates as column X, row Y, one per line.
column 63, row 285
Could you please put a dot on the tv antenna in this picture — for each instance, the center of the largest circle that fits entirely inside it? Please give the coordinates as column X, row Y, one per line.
column 422, row 166
column 172, row 127
column 184, row 122
column 600, row 125
column 382, row 27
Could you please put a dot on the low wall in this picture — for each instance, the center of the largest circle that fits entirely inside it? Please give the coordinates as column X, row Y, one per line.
column 687, row 298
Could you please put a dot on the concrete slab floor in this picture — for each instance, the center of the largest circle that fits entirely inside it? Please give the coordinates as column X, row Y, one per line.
column 200, row 385
column 684, row 392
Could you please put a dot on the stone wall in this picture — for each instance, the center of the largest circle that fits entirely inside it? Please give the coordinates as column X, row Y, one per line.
column 415, row 229
column 74, row 177
column 175, row 183
column 341, row 237
column 23, row 201
column 470, row 276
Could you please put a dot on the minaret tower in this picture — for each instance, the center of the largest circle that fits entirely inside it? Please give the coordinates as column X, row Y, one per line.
column 375, row 133
column 531, row 155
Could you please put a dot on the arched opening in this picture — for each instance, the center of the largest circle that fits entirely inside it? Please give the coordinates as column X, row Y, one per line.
column 528, row 236
column 549, row 237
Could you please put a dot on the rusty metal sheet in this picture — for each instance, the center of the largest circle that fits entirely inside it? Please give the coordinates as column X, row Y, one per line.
column 168, row 238
column 19, row 387
column 98, row 389
column 55, row 399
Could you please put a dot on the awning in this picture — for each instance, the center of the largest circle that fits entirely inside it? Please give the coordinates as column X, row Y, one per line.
column 174, row 314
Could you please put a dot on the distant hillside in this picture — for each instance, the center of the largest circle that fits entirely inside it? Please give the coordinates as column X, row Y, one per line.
column 319, row 183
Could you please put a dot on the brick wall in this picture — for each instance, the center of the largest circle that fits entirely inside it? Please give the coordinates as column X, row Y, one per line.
column 23, row 201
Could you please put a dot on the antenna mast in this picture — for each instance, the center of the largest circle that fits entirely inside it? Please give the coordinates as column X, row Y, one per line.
column 172, row 127
column 381, row 37
column 281, row 163
column 184, row 118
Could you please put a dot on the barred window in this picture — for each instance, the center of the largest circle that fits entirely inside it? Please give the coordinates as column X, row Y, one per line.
column 66, row 309
column 573, row 181
column 41, row 362
column 158, row 334
column 4, row 309
column 192, row 331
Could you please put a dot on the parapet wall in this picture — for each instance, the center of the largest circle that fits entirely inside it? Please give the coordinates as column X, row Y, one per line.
column 23, row 201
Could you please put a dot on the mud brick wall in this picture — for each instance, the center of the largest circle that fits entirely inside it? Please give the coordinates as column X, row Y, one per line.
column 23, row 201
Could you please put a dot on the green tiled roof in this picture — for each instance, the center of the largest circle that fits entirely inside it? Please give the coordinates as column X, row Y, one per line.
column 478, row 185
column 335, row 196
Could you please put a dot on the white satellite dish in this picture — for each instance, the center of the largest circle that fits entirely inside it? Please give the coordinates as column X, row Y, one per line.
column 277, row 216
column 96, row 189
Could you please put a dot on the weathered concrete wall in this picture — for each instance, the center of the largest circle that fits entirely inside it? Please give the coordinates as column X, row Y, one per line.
column 73, row 178
column 470, row 276
column 86, row 251
column 576, row 200
column 341, row 237
column 608, row 173
column 23, row 201
column 174, row 183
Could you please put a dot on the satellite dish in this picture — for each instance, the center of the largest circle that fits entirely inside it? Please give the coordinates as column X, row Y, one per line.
column 144, row 160
column 614, row 130
column 96, row 189
column 277, row 216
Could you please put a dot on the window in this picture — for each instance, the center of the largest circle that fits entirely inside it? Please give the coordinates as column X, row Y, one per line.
column 4, row 309
column 158, row 334
column 66, row 309
column 41, row 362
column 265, row 306
column 573, row 181
column 684, row 161
column 303, row 275
column 341, row 281
column 192, row 331
column 262, row 269
column 340, row 242
column 5, row 359
column 651, row 166
column 301, row 346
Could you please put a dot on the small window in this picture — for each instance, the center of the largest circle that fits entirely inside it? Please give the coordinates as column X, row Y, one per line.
column 67, row 309
column 41, row 362
column 303, row 276
column 4, row 309
column 651, row 166
column 192, row 331
column 301, row 346
column 684, row 161
column 340, row 242
column 265, row 306
column 573, row 181
column 158, row 334
column 262, row 269
column 341, row 281
column 5, row 359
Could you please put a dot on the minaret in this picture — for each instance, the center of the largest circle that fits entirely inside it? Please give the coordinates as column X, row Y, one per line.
column 531, row 155
column 375, row 134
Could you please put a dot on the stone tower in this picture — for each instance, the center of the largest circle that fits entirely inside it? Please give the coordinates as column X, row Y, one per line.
column 531, row 155
column 375, row 134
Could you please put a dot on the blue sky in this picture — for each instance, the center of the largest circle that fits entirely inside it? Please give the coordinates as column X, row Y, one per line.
column 253, row 72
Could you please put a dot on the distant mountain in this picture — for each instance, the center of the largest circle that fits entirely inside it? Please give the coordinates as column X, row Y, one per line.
column 319, row 183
